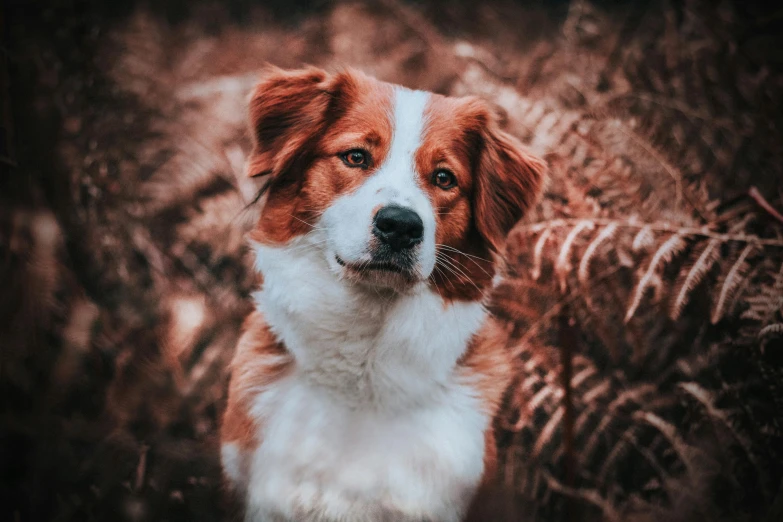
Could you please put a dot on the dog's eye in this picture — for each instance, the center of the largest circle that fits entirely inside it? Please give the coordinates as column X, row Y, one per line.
column 444, row 179
column 356, row 158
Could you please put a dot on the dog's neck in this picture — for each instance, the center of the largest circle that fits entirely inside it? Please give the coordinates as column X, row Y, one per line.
column 367, row 347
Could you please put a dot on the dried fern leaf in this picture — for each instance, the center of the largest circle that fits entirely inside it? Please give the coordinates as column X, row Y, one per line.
column 584, row 265
column 735, row 276
column 624, row 257
column 604, row 387
column 538, row 251
column 764, row 306
column 691, row 278
column 665, row 253
column 563, row 264
column 630, row 396
column 643, row 239
column 620, row 449
column 771, row 330
column 684, row 451
column 543, row 394
column 582, row 375
column 591, row 496
column 547, row 433
column 667, row 480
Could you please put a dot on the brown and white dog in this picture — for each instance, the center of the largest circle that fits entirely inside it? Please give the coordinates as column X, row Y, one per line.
column 365, row 384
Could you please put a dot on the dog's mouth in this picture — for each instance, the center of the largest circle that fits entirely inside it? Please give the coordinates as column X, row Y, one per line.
column 384, row 267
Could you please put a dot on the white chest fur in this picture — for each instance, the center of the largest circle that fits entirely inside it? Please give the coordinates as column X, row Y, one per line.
column 324, row 461
column 373, row 424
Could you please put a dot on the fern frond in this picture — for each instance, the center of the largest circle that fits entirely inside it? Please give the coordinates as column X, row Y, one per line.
column 538, row 251
column 584, row 265
column 691, row 278
column 668, row 249
column 732, row 280
column 563, row 264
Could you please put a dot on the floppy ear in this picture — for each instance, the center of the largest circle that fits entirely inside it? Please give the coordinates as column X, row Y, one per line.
column 508, row 183
column 287, row 112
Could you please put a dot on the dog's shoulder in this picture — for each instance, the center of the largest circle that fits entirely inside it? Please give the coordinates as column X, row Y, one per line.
column 260, row 360
column 487, row 363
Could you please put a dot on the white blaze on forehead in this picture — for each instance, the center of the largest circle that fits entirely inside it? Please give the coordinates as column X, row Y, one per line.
column 409, row 109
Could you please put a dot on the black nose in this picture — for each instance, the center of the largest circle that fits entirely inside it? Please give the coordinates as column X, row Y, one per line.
column 398, row 227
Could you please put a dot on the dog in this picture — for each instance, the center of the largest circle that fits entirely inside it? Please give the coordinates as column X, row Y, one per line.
column 365, row 383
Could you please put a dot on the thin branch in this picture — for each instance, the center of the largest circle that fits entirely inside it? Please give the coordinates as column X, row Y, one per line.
column 568, row 345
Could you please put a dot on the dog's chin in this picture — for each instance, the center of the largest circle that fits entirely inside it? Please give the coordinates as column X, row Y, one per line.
column 387, row 275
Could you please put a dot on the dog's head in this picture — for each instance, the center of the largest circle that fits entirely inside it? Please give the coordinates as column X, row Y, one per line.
column 396, row 187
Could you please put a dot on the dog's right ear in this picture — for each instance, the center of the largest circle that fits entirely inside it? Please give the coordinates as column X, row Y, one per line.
column 287, row 113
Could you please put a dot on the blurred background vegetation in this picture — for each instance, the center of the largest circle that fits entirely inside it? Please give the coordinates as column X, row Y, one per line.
column 644, row 294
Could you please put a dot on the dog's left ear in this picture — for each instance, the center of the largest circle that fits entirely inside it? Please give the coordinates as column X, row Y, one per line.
column 508, row 182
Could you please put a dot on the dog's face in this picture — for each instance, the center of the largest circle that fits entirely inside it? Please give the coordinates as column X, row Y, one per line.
column 397, row 187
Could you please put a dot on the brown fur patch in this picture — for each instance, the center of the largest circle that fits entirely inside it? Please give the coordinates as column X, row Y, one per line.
column 486, row 365
column 259, row 360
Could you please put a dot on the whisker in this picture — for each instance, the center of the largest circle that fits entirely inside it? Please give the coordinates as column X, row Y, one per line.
column 454, row 269
column 314, row 227
column 303, row 221
column 466, row 268
column 434, row 283
column 461, row 252
column 450, row 271
column 314, row 212
column 467, row 278
column 305, row 246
